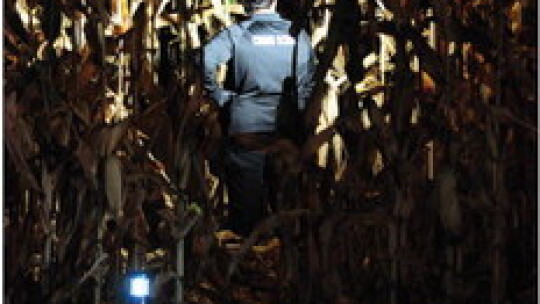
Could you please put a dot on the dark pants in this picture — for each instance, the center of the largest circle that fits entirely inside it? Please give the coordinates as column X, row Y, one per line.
column 244, row 176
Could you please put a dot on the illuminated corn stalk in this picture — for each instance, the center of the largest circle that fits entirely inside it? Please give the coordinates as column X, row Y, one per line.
column 161, row 6
column 449, row 210
column 329, row 114
column 79, row 38
column 430, row 145
column 330, row 105
column 415, row 68
column 387, row 50
column 321, row 32
column 370, row 82
column 221, row 13
column 120, row 18
column 182, row 172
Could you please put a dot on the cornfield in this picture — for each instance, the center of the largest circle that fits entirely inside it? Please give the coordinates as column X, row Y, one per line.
column 415, row 181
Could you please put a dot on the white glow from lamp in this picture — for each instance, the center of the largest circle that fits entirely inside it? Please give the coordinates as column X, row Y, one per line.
column 139, row 286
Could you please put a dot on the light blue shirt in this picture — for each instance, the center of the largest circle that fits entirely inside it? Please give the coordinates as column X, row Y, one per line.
column 260, row 53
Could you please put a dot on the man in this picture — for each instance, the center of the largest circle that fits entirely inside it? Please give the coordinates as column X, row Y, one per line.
column 264, row 55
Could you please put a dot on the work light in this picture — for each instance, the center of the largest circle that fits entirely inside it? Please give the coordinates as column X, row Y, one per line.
column 138, row 287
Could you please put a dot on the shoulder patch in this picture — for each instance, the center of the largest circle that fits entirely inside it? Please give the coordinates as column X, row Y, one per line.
column 272, row 40
column 263, row 39
column 284, row 40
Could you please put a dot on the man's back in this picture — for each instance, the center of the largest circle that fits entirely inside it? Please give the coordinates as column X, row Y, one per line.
column 262, row 52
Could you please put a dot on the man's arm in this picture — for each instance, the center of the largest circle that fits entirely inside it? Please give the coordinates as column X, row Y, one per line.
column 216, row 52
column 306, row 70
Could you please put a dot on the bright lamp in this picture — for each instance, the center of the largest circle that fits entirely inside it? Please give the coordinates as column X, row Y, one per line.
column 139, row 286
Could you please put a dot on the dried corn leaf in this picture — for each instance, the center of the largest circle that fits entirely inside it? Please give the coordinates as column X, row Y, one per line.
column 113, row 184
column 446, row 196
column 88, row 159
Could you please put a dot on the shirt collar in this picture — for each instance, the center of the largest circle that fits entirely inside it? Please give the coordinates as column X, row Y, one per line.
column 266, row 17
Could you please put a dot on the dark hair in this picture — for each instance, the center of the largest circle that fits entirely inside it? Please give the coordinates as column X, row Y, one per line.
column 257, row 4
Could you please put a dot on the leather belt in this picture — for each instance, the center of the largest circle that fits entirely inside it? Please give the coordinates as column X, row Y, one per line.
column 254, row 141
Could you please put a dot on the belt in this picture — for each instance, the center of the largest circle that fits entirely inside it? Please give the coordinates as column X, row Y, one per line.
column 254, row 141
